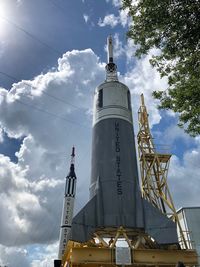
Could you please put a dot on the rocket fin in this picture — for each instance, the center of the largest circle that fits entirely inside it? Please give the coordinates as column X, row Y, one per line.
column 158, row 225
column 84, row 223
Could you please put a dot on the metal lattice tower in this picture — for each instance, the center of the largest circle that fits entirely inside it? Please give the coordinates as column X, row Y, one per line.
column 154, row 170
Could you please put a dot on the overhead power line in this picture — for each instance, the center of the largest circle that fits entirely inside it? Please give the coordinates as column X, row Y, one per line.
column 34, row 37
column 43, row 92
column 57, row 6
column 47, row 112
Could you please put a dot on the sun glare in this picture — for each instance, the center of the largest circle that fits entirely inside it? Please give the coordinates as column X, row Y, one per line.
column 3, row 14
column 2, row 8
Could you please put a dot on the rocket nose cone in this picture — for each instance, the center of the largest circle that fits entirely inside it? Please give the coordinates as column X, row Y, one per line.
column 110, row 49
column 109, row 39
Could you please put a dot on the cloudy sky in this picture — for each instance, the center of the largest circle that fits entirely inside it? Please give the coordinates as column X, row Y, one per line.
column 52, row 56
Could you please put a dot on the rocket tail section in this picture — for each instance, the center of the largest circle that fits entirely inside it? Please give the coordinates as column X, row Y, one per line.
column 115, row 192
column 158, row 225
column 95, row 215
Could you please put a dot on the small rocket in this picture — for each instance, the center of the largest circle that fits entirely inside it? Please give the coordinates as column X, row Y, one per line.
column 68, row 207
column 115, row 196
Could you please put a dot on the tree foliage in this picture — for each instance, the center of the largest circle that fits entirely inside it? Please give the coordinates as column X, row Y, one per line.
column 173, row 27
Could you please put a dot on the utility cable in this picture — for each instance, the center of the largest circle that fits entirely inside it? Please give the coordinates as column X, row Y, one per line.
column 34, row 37
column 43, row 92
column 49, row 113
column 57, row 6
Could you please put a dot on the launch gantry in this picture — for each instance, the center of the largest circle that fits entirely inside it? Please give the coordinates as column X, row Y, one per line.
column 154, row 170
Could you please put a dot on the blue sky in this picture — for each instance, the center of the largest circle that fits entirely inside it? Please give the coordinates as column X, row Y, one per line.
column 52, row 54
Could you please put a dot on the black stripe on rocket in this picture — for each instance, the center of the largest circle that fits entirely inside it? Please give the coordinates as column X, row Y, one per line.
column 70, row 188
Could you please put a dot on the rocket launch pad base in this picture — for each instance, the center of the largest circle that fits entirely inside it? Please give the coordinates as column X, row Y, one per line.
column 93, row 257
column 99, row 252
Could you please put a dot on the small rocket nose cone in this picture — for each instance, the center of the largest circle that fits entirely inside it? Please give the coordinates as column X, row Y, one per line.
column 109, row 39
column 73, row 152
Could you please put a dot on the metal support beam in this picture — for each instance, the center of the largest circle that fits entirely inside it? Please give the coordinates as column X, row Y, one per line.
column 101, row 240
column 145, row 257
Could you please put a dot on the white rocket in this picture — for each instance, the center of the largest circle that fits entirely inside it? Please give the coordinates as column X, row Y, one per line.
column 68, row 207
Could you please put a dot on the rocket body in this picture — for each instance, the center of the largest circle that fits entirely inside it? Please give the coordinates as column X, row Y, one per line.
column 113, row 140
column 115, row 196
column 68, row 208
column 114, row 163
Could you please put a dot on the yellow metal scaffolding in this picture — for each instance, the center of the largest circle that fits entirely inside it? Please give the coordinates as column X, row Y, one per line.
column 154, row 169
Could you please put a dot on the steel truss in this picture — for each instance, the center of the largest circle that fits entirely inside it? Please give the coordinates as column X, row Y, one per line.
column 154, row 170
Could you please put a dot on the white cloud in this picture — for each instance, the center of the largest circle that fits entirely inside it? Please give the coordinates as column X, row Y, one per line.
column 13, row 257
column 25, row 211
column 174, row 133
column 32, row 256
column 86, row 18
column 184, row 178
column 109, row 20
column 44, row 256
column 112, row 20
column 115, row 3
column 123, row 17
column 118, row 3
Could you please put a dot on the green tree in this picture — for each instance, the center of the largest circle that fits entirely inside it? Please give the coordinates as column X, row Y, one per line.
column 172, row 26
